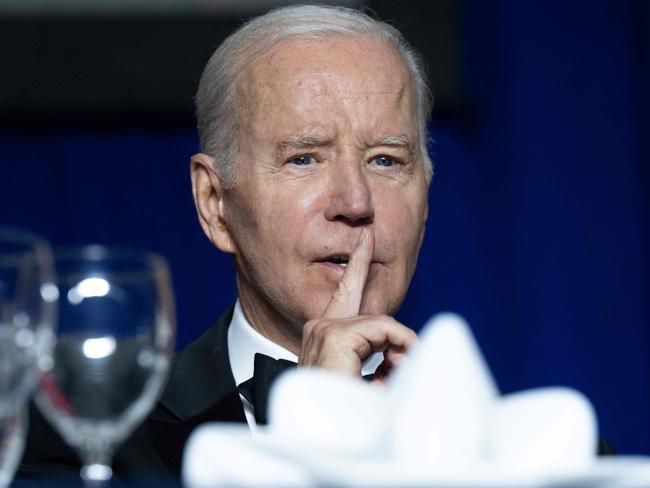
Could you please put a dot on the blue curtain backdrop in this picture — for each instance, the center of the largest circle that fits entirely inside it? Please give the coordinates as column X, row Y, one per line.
column 538, row 230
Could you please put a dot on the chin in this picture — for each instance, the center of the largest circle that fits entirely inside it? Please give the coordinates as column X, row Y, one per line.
column 379, row 304
column 312, row 309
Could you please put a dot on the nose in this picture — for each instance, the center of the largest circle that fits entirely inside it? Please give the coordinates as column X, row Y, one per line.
column 350, row 195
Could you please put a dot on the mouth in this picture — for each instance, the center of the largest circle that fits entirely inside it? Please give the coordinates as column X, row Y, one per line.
column 337, row 262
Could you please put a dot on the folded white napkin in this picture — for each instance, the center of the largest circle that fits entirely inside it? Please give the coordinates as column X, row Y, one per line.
column 439, row 422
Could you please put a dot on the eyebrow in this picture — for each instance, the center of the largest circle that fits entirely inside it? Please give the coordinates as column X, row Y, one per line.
column 302, row 142
column 396, row 141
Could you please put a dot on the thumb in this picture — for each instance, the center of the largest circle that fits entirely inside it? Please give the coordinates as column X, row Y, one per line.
column 346, row 300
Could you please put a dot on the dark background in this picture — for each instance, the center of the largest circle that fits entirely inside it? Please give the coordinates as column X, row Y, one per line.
column 538, row 230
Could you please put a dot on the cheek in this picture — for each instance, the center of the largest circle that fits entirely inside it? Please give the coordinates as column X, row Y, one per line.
column 290, row 215
column 272, row 225
column 298, row 215
column 400, row 224
column 399, row 229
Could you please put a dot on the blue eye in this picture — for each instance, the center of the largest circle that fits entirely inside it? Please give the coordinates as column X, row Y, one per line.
column 383, row 160
column 302, row 160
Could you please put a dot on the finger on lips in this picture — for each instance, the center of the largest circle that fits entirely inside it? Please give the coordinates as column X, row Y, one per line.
column 346, row 300
column 341, row 338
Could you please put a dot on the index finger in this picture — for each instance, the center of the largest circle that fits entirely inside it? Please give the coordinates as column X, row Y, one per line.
column 346, row 300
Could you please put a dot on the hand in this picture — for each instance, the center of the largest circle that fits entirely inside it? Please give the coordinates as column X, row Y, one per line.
column 341, row 339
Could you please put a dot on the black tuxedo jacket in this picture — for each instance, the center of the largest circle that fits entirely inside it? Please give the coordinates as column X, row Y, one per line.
column 201, row 388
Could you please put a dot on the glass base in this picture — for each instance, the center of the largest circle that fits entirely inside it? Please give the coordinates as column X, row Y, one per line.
column 95, row 475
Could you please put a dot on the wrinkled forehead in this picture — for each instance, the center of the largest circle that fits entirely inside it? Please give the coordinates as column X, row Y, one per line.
column 298, row 74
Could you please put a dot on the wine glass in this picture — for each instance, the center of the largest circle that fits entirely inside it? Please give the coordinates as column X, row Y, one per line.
column 28, row 299
column 114, row 342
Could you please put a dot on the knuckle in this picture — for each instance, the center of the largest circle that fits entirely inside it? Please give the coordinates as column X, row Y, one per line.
column 319, row 326
column 309, row 326
column 321, row 330
column 387, row 322
column 330, row 333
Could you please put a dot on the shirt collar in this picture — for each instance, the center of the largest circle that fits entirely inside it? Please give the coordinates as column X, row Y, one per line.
column 244, row 342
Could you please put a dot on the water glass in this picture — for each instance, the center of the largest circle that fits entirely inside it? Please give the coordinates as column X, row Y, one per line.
column 114, row 341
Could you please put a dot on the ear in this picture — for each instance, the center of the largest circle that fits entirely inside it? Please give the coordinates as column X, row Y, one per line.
column 208, row 195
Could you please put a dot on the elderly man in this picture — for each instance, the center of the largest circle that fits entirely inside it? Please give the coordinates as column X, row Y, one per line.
column 314, row 178
column 313, row 175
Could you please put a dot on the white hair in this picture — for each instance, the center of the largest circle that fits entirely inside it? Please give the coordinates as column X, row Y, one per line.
column 217, row 117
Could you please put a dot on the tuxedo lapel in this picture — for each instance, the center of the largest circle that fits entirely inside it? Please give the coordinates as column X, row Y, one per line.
column 201, row 388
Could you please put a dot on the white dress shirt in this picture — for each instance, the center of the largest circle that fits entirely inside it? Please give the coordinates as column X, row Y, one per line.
column 244, row 342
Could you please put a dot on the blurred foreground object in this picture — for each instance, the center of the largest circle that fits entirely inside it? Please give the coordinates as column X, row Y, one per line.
column 114, row 341
column 440, row 421
column 27, row 314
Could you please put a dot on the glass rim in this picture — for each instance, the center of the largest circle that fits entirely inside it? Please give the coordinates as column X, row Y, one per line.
column 22, row 236
column 101, row 252
column 32, row 242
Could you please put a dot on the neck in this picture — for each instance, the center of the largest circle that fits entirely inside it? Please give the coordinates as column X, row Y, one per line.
column 266, row 319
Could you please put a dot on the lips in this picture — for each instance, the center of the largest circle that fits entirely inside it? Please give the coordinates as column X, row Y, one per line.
column 337, row 261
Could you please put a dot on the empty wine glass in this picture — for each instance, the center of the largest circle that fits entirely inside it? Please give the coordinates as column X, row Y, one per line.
column 27, row 313
column 113, row 346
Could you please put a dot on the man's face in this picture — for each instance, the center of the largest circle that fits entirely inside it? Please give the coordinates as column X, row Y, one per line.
column 329, row 143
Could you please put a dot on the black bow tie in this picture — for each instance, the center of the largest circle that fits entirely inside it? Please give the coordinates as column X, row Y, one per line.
column 256, row 390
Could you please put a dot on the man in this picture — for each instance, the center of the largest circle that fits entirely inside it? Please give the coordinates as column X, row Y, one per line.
column 313, row 175
column 328, row 168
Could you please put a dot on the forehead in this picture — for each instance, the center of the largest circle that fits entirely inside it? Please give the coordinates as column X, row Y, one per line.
column 302, row 82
